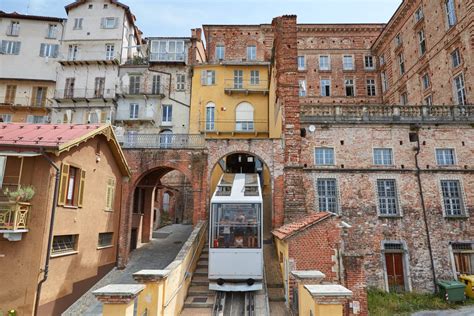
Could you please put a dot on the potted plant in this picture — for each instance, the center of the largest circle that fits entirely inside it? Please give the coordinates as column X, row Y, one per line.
column 22, row 194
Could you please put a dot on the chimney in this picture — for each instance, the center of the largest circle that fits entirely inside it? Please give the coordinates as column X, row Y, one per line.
column 196, row 34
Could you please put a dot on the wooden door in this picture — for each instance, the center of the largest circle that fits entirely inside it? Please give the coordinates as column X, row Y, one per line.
column 395, row 273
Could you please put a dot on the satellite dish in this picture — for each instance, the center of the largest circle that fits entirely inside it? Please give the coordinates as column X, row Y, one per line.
column 312, row 128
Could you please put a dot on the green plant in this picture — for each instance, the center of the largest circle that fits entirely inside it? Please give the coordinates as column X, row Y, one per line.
column 22, row 194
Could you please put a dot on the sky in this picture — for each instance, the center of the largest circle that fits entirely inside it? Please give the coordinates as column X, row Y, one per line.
column 177, row 17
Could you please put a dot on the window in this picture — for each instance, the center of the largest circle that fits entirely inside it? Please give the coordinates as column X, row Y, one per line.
column 5, row 118
column 167, row 50
column 180, row 82
column 166, row 138
column 327, row 195
column 220, row 52
column 302, row 88
column 425, row 79
column 401, row 63
column 52, row 31
column 450, row 12
column 109, row 51
column 10, row 94
column 349, row 85
column 301, row 63
column 463, row 258
column 404, row 98
column 324, row 62
column 69, row 88
column 460, row 89
column 452, row 198
column 134, row 110
column 109, row 23
column 156, row 85
column 167, row 113
column 383, row 156
column 428, row 100
column 369, row 62
column 64, row 244
column 49, row 50
column 244, row 117
column 445, row 156
column 91, row 6
column 384, row 81
column 110, row 195
column 347, row 62
column 254, row 77
column 398, row 40
column 13, row 28
column 78, row 23
column 11, row 47
column 105, row 240
column 419, row 14
column 73, row 52
column 382, row 60
column 99, row 87
column 238, row 79
column 456, row 58
column 422, row 42
column 251, row 52
column 208, row 77
column 325, row 87
column 324, row 156
column 39, row 96
column 387, row 197
column 371, row 88
column 3, row 163
column 36, row 119
column 71, row 187
column 134, row 87
column 210, row 116
column 106, row 6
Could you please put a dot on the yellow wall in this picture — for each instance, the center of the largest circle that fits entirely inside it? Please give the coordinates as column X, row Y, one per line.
column 282, row 250
column 306, row 302
column 274, row 113
column 225, row 104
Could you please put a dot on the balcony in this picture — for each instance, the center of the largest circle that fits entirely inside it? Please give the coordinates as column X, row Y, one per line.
column 14, row 219
column 246, row 86
column 85, row 58
column 143, row 115
column 24, row 101
column 408, row 114
column 76, row 95
column 161, row 141
column 13, row 30
column 234, row 128
column 167, row 57
column 134, row 92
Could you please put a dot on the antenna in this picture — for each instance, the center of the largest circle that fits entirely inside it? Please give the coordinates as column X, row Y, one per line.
column 28, row 7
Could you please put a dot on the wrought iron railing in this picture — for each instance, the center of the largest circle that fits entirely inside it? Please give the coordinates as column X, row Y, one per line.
column 14, row 215
column 231, row 126
column 246, row 85
column 85, row 93
column 162, row 141
column 313, row 113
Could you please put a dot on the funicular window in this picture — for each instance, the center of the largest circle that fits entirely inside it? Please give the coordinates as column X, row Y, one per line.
column 236, row 225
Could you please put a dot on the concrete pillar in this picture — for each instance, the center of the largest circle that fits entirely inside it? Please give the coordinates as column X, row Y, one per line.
column 149, row 209
column 152, row 299
column 118, row 299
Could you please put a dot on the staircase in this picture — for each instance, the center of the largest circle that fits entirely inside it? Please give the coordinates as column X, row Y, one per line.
column 200, row 299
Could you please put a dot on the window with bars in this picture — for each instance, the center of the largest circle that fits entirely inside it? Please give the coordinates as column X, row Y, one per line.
column 460, row 89
column 180, row 82
column 324, row 156
column 387, row 197
column 254, row 77
column 452, row 198
column 371, row 88
column 383, row 156
column 463, row 257
column 64, row 244
column 327, row 195
column 393, row 246
column 105, row 240
column 445, row 156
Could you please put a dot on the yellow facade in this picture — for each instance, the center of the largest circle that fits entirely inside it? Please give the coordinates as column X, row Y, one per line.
column 283, row 257
column 230, row 101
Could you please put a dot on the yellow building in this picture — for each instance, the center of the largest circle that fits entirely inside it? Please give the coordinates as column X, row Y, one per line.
column 230, row 100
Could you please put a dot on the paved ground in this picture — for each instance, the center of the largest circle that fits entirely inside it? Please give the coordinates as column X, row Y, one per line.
column 157, row 254
column 466, row 311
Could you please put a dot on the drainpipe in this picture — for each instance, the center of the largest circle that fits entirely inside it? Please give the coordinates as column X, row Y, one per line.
column 50, row 236
column 169, row 86
column 425, row 218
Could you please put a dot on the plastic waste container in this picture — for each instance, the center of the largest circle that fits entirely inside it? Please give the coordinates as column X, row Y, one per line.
column 452, row 290
column 468, row 280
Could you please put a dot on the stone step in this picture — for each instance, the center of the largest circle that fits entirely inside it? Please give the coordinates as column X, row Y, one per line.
column 198, row 290
column 201, row 271
column 276, row 294
column 204, row 256
column 196, row 312
column 200, row 280
column 203, row 301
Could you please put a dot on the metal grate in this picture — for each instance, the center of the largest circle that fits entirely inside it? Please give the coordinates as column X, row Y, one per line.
column 200, row 300
column 105, row 239
column 62, row 244
column 462, row 246
column 393, row 246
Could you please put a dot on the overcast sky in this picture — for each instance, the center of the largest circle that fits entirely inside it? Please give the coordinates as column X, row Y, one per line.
column 177, row 17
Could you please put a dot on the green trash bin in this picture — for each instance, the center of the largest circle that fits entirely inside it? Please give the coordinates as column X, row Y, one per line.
column 452, row 290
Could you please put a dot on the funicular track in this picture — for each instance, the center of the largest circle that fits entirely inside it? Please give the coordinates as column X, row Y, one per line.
column 234, row 304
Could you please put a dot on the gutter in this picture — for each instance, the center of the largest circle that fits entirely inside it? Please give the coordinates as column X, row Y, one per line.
column 169, row 86
column 45, row 270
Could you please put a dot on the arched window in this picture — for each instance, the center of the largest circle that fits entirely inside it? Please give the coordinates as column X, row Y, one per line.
column 166, row 202
column 166, row 138
column 210, row 116
column 244, row 117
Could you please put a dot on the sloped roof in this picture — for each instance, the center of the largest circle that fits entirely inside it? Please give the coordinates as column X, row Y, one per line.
column 58, row 138
column 19, row 16
column 288, row 230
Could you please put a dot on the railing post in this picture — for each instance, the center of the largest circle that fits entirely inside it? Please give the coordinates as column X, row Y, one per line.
column 118, row 299
column 152, row 299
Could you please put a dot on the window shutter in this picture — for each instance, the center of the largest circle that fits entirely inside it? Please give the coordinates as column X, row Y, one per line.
column 213, row 77
column 42, row 50
column 103, row 116
column 102, row 23
column 81, row 188
column 33, row 98
column 110, row 194
column 63, row 184
column 116, row 23
column 203, row 77
column 55, row 51
column 43, row 96
column 16, row 48
column 30, row 119
column 4, row 47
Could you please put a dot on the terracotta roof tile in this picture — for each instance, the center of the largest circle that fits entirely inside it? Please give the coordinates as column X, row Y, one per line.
column 291, row 229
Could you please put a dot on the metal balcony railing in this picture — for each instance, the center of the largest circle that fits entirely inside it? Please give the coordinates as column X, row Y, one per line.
column 314, row 113
column 233, row 85
column 24, row 101
column 232, row 126
column 143, row 90
column 163, row 141
column 14, row 216
column 84, row 94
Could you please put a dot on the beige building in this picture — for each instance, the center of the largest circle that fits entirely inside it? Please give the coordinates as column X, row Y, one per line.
column 34, row 41
column 60, row 244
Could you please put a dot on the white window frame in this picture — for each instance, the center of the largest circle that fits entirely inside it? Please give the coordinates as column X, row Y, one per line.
column 425, row 81
column 302, row 88
column 302, row 62
column 252, row 52
column 13, row 28
column 254, row 77
column 350, row 83
column 78, row 23
column 404, row 98
column 49, row 50
column 419, row 14
column 238, row 79
column 208, row 77
column 109, row 23
column 371, row 87
column 52, row 31
column 384, row 77
column 73, row 52
column 11, row 47
column 348, row 65
column 109, row 51
column 325, row 161
column 134, row 110
column 451, row 18
column 396, row 197
column 3, row 164
column 180, row 82
column 323, row 66
column 459, row 86
column 369, row 62
column 428, row 100
column 383, row 161
column 210, row 117
column 7, row 118
column 220, row 50
column 422, row 42
column 327, row 83
column 462, row 197
column 337, row 197
column 167, row 114
column 441, row 156
column 456, row 60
